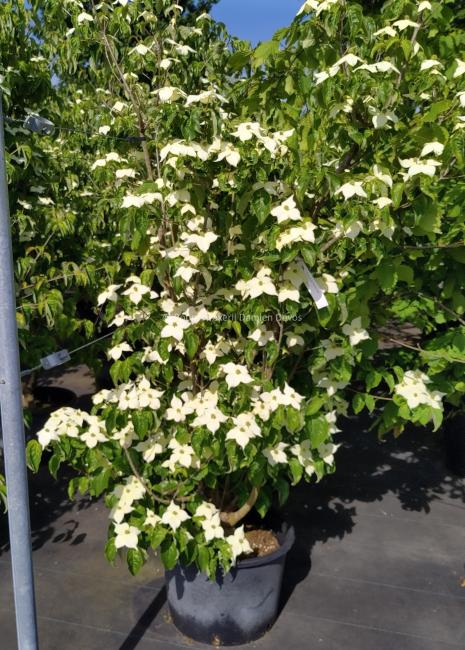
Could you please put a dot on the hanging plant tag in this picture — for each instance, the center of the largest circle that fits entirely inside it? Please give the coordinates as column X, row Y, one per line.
column 55, row 359
column 313, row 287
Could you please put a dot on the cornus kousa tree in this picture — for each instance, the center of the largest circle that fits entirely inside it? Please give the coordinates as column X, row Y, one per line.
column 204, row 423
column 273, row 230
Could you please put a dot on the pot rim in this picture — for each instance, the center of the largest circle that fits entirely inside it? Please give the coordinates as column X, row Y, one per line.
column 289, row 539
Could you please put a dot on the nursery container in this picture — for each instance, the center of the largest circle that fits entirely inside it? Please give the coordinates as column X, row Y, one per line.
column 237, row 607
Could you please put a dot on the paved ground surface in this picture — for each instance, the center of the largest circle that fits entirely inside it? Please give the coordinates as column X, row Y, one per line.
column 378, row 563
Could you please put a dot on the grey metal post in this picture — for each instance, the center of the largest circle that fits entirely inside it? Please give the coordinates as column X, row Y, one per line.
column 13, row 428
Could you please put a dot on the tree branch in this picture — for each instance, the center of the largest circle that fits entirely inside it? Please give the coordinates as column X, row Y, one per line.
column 233, row 518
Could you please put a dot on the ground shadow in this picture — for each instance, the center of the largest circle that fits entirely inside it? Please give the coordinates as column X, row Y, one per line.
column 411, row 468
column 147, row 618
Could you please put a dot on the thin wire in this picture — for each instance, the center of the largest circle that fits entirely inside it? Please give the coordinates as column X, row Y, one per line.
column 26, row 373
column 90, row 134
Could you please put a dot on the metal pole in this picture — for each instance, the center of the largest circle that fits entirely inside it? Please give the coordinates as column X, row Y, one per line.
column 13, row 429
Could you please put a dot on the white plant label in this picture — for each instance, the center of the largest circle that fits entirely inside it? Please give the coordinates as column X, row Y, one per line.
column 55, row 359
column 313, row 287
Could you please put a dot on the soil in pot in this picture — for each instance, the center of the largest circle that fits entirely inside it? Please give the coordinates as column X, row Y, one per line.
column 237, row 607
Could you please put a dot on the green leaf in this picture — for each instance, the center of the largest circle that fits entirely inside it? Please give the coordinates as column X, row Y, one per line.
column 157, row 537
column 191, row 341
column 264, row 51
column 110, row 550
column 358, row 403
column 203, row 558
column 135, row 560
column 54, row 465
column 143, row 422
column 283, row 491
column 33, row 455
column 169, row 553
column 387, row 275
column 296, row 470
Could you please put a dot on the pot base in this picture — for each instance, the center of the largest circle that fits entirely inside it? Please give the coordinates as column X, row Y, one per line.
column 236, row 608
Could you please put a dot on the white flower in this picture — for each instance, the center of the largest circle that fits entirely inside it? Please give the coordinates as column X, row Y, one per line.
column 207, row 510
column 260, row 284
column 327, row 451
column 95, row 433
column 238, row 543
column 290, row 397
column 125, row 173
column 382, row 176
column 119, row 107
column 261, row 336
column 170, row 94
column 245, row 429
column 294, row 340
column 126, row 536
column 425, row 4
column 210, row 416
column 137, row 291
column 125, row 436
column 427, row 64
column 231, row 155
column 236, row 374
column 382, row 202
column 183, row 455
column 137, row 201
column 117, row 351
column 178, row 410
column 260, row 409
column 174, row 328
column 247, row 130
column 203, row 242
column 355, row 331
column 84, row 17
column 45, row 200
column 414, row 390
column 212, row 528
column 185, row 272
column 140, row 49
column 386, row 31
column 296, row 234
column 460, row 95
column 288, row 292
column 174, row 516
column 205, row 97
column 109, row 294
column 151, row 519
column 309, row 5
column 435, row 148
column 331, row 351
column 151, row 447
column 287, row 211
column 328, row 283
column 417, row 166
column 47, row 435
column 276, row 455
column 460, row 69
column 348, row 190
column 403, row 24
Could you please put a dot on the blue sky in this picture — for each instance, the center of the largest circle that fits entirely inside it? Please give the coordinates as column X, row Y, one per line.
column 255, row 20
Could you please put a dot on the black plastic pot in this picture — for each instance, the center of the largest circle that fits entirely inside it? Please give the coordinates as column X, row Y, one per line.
column 454, row 438
column 238, row 607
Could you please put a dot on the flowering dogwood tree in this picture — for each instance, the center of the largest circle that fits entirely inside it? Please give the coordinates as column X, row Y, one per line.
column 277, row 218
